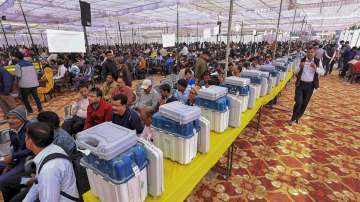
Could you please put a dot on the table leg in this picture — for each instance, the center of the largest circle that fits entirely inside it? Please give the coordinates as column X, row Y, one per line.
column 259, row 118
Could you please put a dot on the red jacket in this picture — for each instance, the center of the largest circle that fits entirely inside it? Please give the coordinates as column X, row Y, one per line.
column 102, row 113
column 356, row 68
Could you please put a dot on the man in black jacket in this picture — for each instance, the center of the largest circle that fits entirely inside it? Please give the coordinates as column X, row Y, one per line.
column 109, row 66
column 307, row 80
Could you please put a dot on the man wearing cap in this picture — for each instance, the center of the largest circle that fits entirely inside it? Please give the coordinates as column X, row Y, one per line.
column 200, row 65
column 12, row 166
column 148, row 96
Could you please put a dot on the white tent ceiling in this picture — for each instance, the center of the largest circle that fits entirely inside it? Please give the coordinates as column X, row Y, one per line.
column 153, row 17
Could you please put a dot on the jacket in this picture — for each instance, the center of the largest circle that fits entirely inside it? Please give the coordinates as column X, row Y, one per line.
column 6, row 81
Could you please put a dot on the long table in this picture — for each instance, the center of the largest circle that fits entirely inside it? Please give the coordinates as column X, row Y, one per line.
column 180, row 180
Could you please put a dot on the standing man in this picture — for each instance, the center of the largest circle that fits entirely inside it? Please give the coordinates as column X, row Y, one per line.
column 320, row 53
column 200, row 65
column 307, row 74
column 28, row 81
column 109, row 66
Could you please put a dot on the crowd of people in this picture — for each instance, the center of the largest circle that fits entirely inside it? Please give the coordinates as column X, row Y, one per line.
column 104, row 82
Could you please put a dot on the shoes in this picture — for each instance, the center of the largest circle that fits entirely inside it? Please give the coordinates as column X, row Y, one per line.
column 292, row 123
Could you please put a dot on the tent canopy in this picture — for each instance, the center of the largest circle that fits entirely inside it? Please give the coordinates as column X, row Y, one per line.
column 151, row 18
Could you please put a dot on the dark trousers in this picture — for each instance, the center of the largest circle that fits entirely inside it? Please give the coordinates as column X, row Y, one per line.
column 10, row 181
column 25, row 92
column 328, row 66
column 74, row 125
column 303, row 93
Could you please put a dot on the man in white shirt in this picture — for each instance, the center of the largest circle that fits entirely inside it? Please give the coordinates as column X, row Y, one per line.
column 307, row 74
column 55, row 178
column 184, row 51
column 61, row 70
column 76, row 123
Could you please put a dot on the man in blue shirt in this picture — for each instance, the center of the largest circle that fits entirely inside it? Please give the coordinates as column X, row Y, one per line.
column 182, row 92
column 125, row 116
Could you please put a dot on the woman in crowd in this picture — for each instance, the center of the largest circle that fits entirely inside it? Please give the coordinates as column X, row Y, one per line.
column 46, row 78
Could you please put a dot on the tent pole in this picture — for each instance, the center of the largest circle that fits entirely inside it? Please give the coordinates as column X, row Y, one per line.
column 277, row 29
column 132, row 34
column 107, row 40
column 197, row 32
column 121, row 42
column 292, row 29
column 228, row 37
column 241, row 32
column 177, row 24
column 27, row 26
column 15, row 39
column 3, row 30
column 42, row 38
column 86, row 39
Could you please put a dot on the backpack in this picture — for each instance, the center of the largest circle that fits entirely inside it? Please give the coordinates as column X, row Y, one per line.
column 82, row 182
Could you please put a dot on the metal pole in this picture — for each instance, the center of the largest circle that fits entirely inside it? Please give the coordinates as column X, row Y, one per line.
column 86, row 40
column 277, row 28
column 2, row 27
column 177, row 24
column 292, row 29
column 27, row 26
column 228, row 38
column 42, row 38
column 107, row 40
column 197, row 32
column 15, row 39
column 132, row 33
column 241, row 32
column 121, row 42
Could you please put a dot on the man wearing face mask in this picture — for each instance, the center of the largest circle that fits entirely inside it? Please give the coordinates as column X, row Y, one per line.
column 125, row 116
column 307, row 79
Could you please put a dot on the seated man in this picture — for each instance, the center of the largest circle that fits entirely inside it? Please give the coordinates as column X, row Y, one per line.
column 166, row 96
column 98, row 111
column 76, row 123
column 108, row 87
column 192, row 96
column 124, row 89
column 148, row 96
column 61, row 70
column 189, row 78
column 61, row 138
column 55, row 178
column 12, row 166
column 182, row 92
column 125, row 116
column 206, row 80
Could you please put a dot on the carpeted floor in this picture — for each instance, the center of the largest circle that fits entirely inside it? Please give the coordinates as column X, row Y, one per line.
column 318, row 160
